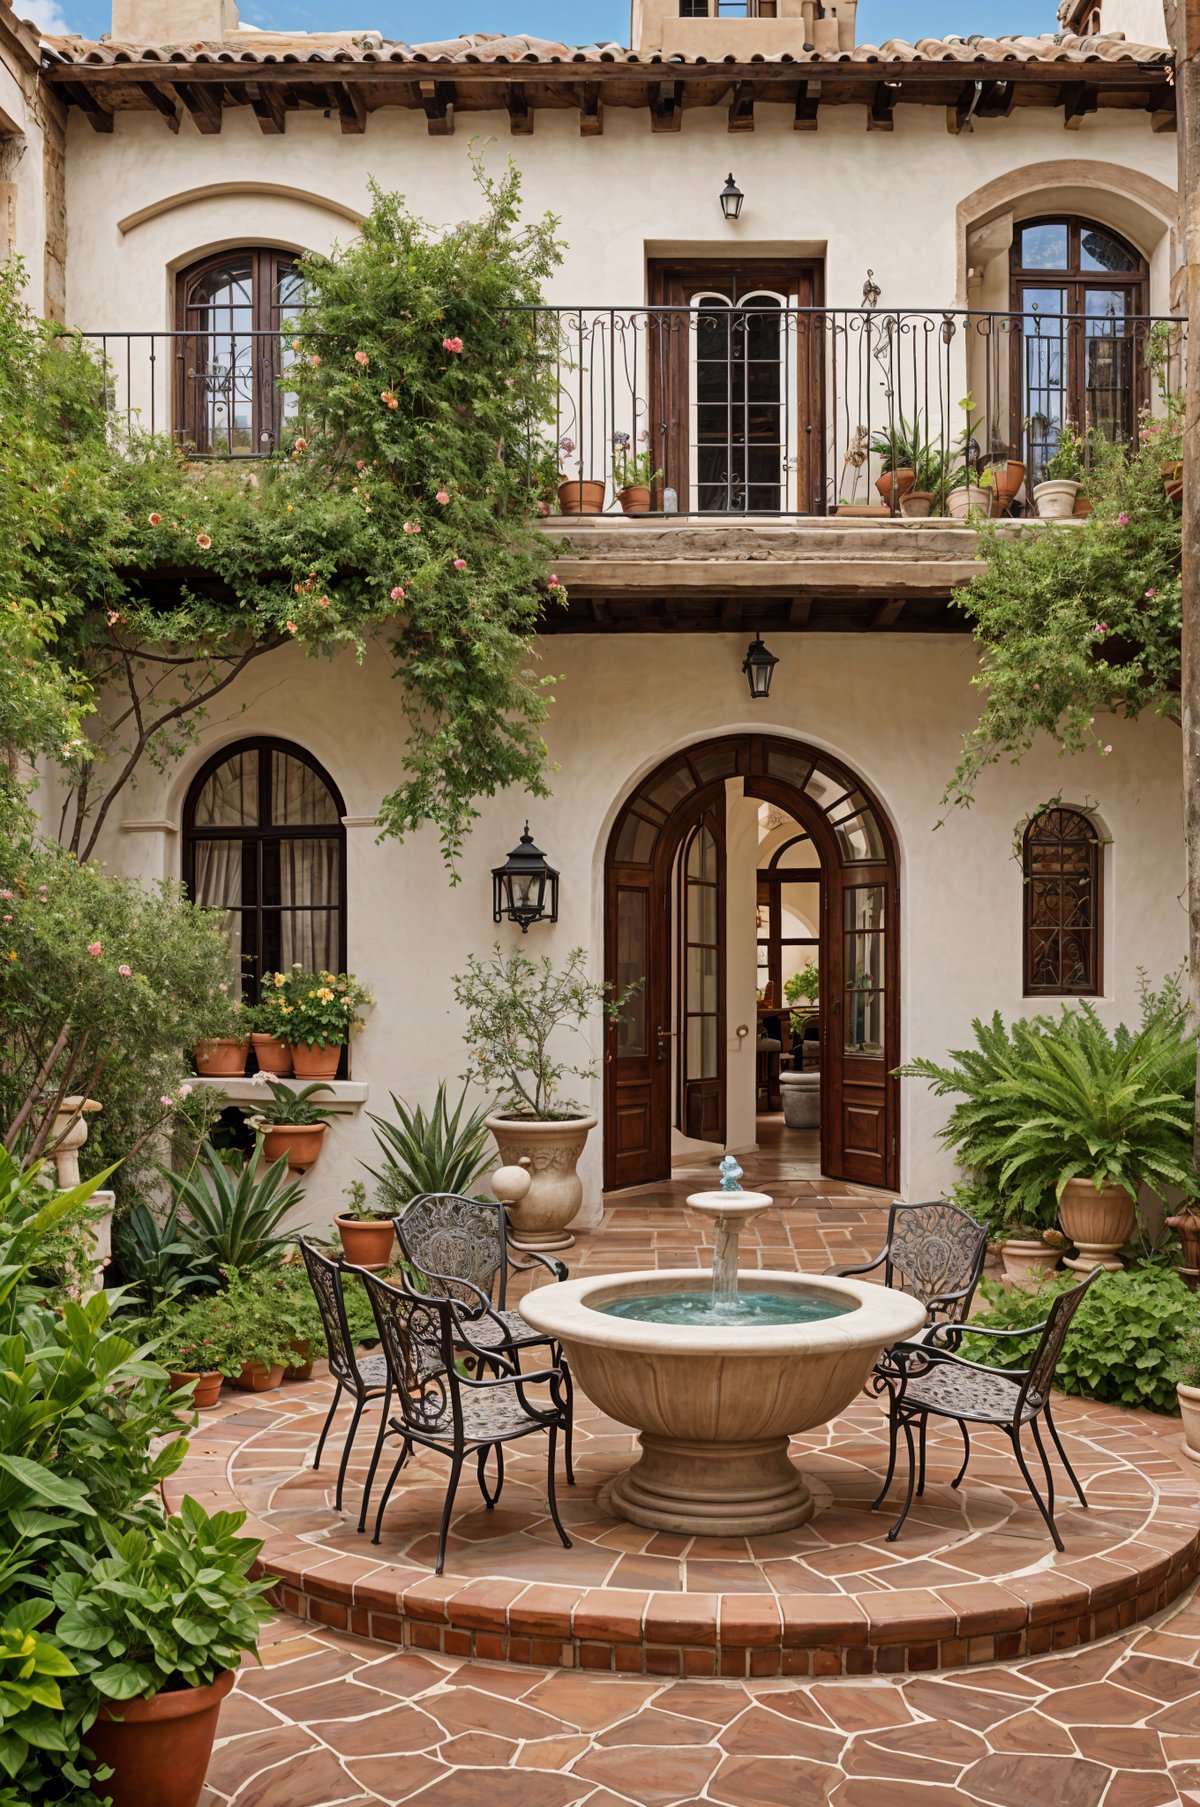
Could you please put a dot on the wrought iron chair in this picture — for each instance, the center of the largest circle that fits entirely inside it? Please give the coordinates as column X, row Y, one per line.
column 457, row 1249
column 453, row 1413
column 364, row 1378
column 934, row 1251
column 924, row 1381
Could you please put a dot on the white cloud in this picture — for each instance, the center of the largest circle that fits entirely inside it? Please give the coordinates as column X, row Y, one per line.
column 45, row 14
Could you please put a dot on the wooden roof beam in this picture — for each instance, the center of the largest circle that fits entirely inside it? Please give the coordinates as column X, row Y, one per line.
column 437, row 99
column 203, row 106
column 666, row 107
column 887, row 614
column 961, row 111
column 995, row 100
column 520, row 114
column 882, row 107
column 799, row 610
column 741, row 108
column 162, row 104
column 808, row 101
column 591, row 110
column 1077, row 99
column 269, row 106
column 1161, row 108
column 98, row 115
column 352, row 109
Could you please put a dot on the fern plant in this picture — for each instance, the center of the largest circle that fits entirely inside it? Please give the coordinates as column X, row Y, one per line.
column 233, row 1216
column 446, row 1151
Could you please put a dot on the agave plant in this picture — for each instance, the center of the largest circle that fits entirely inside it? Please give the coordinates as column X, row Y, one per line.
column 156, row 1257
column 233, row 1217
column 445, row 1151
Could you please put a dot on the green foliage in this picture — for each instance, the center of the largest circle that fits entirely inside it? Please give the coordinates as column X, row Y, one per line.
column 514, row 1007
column 634, row 469
column 251, row 1320
column 804, row 984
column 233, row 1216
column 1125, row 1342
column 319, row 1008
column 155, row 1256
column 1066, row 465
column 1188, row 1371
column 167, row 1605
column 444, row 1151
column 295, row 1108
column 31, row 1701
column 1073, row 623
column 194, row 1335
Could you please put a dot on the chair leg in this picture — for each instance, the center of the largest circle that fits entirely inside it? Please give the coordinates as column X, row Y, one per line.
column 966, row 1452
column 921, row 1456
column 896, row 1529
column 1062, row 1456
column 551, row 1496
column 451, row 1490
column 893, row 1427
column 337, row 1395
column 1015, row 1439
column 384, row 1409
column 346, row 1448
column 569, row 1427
column 402, row 1458
column 1041, row 1450
column 489, row 1499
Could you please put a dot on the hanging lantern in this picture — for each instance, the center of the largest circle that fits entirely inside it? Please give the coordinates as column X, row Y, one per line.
column 759, row 666
column 731, row 198
column 525, row 888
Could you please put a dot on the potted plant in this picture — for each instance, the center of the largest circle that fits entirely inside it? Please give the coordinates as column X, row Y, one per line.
column 515, row 1009
column 1055, row 496
column 221, row 1049
column 192, row 1342
column 320, row 1010
column 301, row 1317
column 292, row 1126
column 1187, row 1390
column 634, row 473
column 259, row 1325
column 268, row 1034
column 447, row 1150
column 1004, row 480
column 158, row 1626
column 233, row 1212
column 579, row 494
column 1186, row 1224
column 366, row 1230
column 1029, row 1251
column 900, row 451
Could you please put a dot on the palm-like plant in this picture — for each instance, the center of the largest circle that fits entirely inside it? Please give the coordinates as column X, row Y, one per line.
column 233, row 1218
column 445, row 1151
column 156, row 1257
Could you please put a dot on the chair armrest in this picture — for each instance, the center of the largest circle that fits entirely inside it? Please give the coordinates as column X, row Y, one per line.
column 448, row 1280
column 559, row 1269
column 554, row 1377
column 986, row 1330
column 867, row 1267
column 498, row 1357
column 943, row 1357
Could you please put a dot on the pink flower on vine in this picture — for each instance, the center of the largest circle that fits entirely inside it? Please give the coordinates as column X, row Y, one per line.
column 360, row 357
column 302, row 445
column 314, row 360
column 397, row 594
column 166, row 1100
column 1122, row 520
column 185, row 1091
column 6, row 896
column 454, row 344
column 460, row 564
column 1108, row 749
column 553, row 582
column 291, row 627
column 442, row 496
column 361, row 464
column 95, row 949
column 1100, row 629
column 323, row 602
column 113, row 617
column 1151, row 594
column 126, row 972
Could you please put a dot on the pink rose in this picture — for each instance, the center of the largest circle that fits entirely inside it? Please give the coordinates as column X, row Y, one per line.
column 452, row 345
column 441, row 496
column 411, row 527
column 553, row 581
column 302, row 445
column 126, row 972
column 95, row 949
column 397, row 594
column 460, row 564
column 1151, row 594
column 360, row 357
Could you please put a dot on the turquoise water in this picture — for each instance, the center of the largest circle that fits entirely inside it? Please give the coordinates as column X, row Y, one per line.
column 703, row 1310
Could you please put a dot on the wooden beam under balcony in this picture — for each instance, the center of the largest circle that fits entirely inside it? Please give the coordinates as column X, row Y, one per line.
column 97, row 115
column 162, row 104
column 203, row 104
column 352, row 109
column 1161, row 107
column 269, row 105
column 666, row 107
column 808, row 101
column 995, row 100
column 520, row 117
column 1078, row 99
column 962, row 110
column 741, row 108
column 591, row 110
column 437, row 99
column 882, row 107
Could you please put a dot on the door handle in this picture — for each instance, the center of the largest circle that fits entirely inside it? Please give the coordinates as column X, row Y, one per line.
column 663, row 1035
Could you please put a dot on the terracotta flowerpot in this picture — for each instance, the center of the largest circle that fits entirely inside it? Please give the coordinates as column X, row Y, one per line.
column 1097, row 1222
column 1006, row 481
column 258, row 1377
column 159, row 1749
column 310, row 1061
column 272, row 1055
column 223, row 1058
column 208, row 1386
column 916, row 504
column 552, row 1150
column 1189, row 1409
column 1172, row 476
column 1028, row 1262
column 581, row 495
column 301, row 1347
column 972, row 498
column 367, row 1241
column 300, row 1142
column 901, row 480
column 861, row 511
column 1055, row 499
column 1186, row 1224
column 1083, row 506
column 635, row 498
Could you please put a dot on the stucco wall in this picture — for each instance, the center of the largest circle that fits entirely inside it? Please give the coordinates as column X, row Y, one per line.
column 32, row 175
column 893, row 708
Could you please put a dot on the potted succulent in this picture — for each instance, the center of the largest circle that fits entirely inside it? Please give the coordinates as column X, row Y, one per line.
column 580, row 494
column 320, row 1014
column 292, row 1126
column 634, row 473
column 900, row 452
column 366, row 1230
column 158, row 1626
column 1187, row 1389
column 192, row 1342
column 221, row 1050
column 268, row 1037
column 515, row 1008
column 447, row 1150
column 1055, row 496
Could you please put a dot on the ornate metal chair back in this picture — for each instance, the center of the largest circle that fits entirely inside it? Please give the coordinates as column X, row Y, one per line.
column 417, row 1338
column 1045, row 1358
column 460, row 1240
column 933, row 1250
column 325, row 1278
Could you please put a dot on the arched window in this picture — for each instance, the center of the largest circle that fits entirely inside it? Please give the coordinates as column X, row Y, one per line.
column 263, row 841
column 1080, row 291
column 1062, row 866
column 232, row 312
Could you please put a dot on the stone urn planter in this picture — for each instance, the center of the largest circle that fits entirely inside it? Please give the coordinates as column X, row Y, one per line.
column 1186, row 1224
column 972, row 498
column 159, row 1749
column 366, row 1241
column 1055, row 498
column 312, row 1061
column 1189, row 1407
column 551, row 1150
column 1027, row 1262
column 581, row 495
column 224, row 1058
column 272, row 1055
column 801, row 1095
column 300, row 1142
column 208, row 1386
column 1099, row 1223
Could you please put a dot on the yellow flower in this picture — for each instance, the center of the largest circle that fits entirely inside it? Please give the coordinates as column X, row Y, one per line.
column 325, row 994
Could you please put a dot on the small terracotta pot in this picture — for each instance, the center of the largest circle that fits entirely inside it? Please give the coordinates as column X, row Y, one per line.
column 635, row 499
column 1098, row 1223
column 1189, row 1408
column 257, row 1377
column 272, row 1055
column 222, row 1058
column 309, row 1061
column 1007, row 480
column 208, row 1386
column 366, row 1240
column 901, row 480
column 159, row 1749
column 1083, row 505
column 916, row 504
column 581, row 495
column 1027, row 1262
column 300, row 1346
column 300, row 1142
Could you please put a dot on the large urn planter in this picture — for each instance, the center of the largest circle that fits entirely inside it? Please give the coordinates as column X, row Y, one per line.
column 1099, row 1223
column 1186, row 1224
column 1027, row 1262
column 972, row 498
column 800, row 1092
column 208, row 1386
column 1055, row 498
column 550, row 1151
column 1189, row 1409
column 300, row 1142
column 581, row 495
column 366, row 1241
column 223, row 1058
column 310, row 1060
column 272, row 1055
column 159, row 1749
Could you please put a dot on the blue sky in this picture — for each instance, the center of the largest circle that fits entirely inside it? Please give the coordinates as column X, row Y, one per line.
column 577, row 21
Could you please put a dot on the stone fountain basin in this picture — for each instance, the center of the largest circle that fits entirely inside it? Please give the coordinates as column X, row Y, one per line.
column 715, row 1407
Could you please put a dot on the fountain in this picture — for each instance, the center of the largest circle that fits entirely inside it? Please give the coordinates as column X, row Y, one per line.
column 717, row 1370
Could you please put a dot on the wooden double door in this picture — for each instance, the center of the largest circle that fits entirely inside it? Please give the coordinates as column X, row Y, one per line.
column 666, row 929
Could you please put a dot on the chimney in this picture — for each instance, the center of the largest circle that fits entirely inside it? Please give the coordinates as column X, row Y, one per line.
column 173, row 21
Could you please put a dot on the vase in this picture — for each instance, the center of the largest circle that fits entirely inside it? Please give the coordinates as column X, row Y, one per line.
column 1055, row 499
column 916, row 504
column 1186, row 1224
column 159, row 1749
column 800, row 1095
column 224, row 1057
column 259, row 1377
column 311, row 1061
column 300, row 1142
column 972, row 498
column 367, row 1241
column 272, row 1055
column 552, row 1151
column 208, row 1386
column 900, row 480
column 634, row 498
column 581, row 495
column 1189, row 1411
column 1027, row 1262
column 1098, row 1222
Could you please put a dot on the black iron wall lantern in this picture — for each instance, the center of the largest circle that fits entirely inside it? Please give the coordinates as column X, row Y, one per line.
column 525, row 888
column 731, row 198
column 759, row 667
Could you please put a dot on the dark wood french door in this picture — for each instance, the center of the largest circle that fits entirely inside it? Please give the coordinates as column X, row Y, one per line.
column 700, row 977
column 736, row 385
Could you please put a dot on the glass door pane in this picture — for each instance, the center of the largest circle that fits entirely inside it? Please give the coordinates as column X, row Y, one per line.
column 739, row 386
column 1044, row 375
column 701, row 958
column 864, row 928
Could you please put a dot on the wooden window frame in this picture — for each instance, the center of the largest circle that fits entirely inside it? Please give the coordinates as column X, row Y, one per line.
column 268, row 267
column 1095, row 844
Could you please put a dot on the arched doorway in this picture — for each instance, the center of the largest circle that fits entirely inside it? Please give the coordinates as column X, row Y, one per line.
column 665, row 884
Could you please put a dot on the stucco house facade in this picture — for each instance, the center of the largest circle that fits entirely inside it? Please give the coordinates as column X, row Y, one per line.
column 992, row 217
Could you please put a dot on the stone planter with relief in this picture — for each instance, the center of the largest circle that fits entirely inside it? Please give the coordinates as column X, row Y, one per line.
column 551, row 1152
column 1189, row 1409
column 1099, row 1221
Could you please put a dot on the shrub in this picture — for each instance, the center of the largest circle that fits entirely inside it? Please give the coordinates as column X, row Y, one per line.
column 445, row 1151
column 318, row 1008
column 233, row 1214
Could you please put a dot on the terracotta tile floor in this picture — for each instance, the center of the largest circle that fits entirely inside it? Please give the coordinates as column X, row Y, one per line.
column 334, row 1718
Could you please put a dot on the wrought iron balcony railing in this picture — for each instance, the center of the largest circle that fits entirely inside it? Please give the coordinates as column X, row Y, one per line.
column 754, row 409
